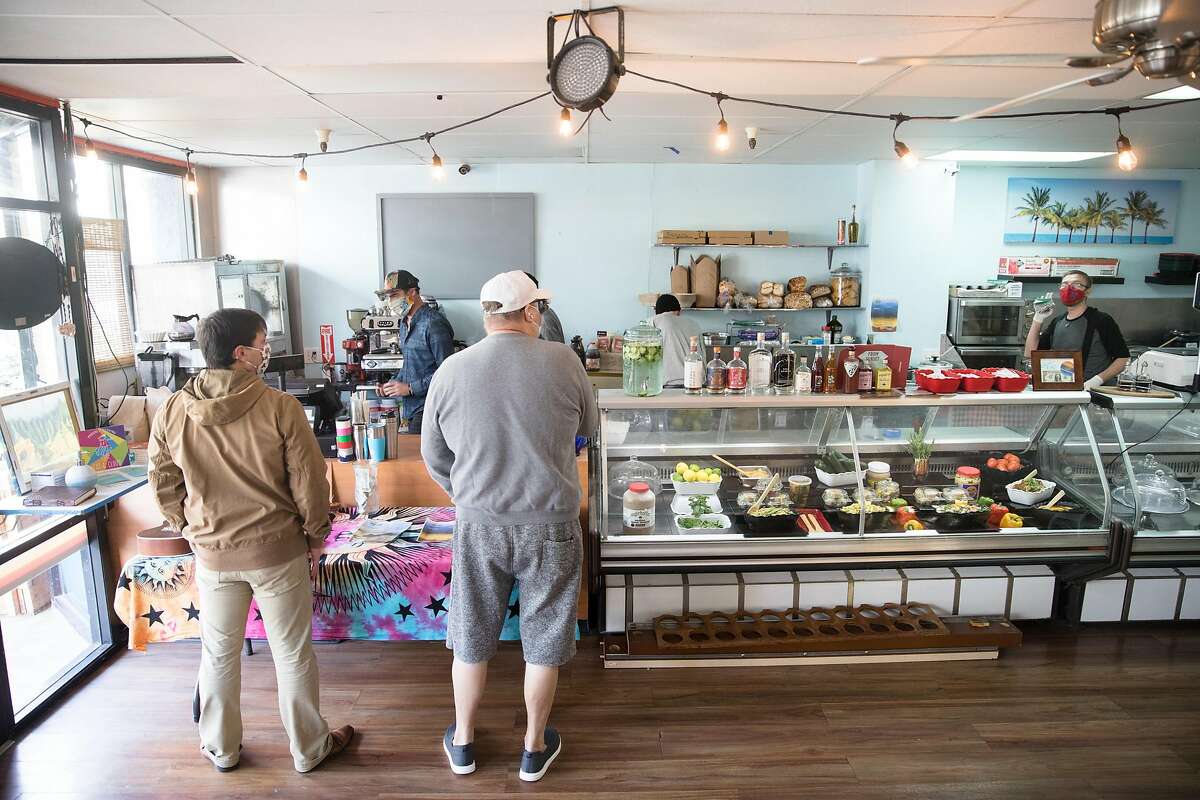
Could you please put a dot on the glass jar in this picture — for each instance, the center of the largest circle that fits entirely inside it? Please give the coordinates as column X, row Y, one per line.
column 641, row 361
column 626, row 473
column 877, row 471
column 637, row 509
column 967, row 479
column 845, row 286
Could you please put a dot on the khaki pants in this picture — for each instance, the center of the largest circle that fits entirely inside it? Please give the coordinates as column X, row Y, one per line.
column 284, row 595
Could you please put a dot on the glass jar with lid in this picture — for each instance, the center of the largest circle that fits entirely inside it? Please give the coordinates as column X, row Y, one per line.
column 641, row 361
column 968, row 479
column 845, row 286
column 622, row 475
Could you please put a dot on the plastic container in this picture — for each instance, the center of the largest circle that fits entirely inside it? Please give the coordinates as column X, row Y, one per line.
column 975, row 380
column 946, row 384
column 681, row 505
column 777, row 524
column 878, row 471
column 690, row 488
column 1024, row 498
column 632, row 471
column 725, row 524
column 637, row 509
column 1017, row 384
column 642, row 361
column 838, row 478
column 968, row 479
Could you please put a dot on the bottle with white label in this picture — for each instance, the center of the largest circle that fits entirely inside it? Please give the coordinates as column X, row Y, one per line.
column 803, row 377
column 693, row 368
column 637, row 509
column 760, row 368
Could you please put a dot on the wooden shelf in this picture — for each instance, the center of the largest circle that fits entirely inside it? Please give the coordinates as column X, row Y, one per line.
column 830, row 310
column 1172, row 280
column 1098, row 279
column 828, row 248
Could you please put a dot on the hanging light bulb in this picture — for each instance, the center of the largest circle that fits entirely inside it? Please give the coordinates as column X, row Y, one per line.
column 89, row 149
column 302, row 175
column 439, row 172
column 564, row 122
column 1127, row 159
column 907, row 157
column 722, row 135
column 189, row 179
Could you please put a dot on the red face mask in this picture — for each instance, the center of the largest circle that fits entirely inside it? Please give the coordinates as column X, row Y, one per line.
column 1071, row 295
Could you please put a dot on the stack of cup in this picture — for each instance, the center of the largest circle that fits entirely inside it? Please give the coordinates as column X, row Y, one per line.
column 345, row 439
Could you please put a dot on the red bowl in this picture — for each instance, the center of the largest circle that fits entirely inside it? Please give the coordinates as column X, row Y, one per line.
column 945, row 385
column 975, row 380
column 1011, row 384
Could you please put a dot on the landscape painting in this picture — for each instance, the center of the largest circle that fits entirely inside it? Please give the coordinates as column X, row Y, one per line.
column 1091, row 211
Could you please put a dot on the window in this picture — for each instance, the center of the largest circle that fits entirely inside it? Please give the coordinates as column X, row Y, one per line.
column 35, row 356
column 23, row 171
column 130, row 215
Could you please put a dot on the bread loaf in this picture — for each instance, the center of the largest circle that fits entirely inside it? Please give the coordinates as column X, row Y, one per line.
column 819, row 290
column 764, row 288
column 774, row 302
column 797, row 300
column 777, row 289
column 797, row 283
column 823, row 302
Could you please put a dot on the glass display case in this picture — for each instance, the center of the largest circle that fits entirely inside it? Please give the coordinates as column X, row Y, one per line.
column 1153, row 446
column 917, row 512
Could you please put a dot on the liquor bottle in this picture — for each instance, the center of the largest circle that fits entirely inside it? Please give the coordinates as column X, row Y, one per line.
column 577, row 346
column 835, row 329
column 831, row 371
column 592, row 357
column 850, row 373
column 693, row 368
column 760, row 368
column 866, row 377
column 804, row 377
column 818, row 372
column 736, row 374
column 716, row 374
column 783, row 368
column 852, row 232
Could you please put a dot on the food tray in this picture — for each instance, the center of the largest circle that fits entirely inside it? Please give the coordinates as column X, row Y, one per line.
column 782, row 525
column 946, row 385
column 684, row 488
column 974, row 381
column 680, row 506
column 974, row 521
column 993, row 480
column 876, row 522
column 838, row 479
column 726, row 524
column 816, row 514
column 1011, row 384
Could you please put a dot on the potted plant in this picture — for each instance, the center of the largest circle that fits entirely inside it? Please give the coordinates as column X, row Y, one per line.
column 920, row 448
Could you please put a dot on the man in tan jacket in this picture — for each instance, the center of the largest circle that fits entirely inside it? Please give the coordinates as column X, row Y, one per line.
column 234, row 465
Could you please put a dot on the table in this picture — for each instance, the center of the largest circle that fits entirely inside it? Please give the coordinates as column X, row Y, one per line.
column 112, row 485
column 395, row 592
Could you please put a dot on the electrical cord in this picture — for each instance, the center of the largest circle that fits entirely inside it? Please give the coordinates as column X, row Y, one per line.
column 96, row 318
column 1149, row 438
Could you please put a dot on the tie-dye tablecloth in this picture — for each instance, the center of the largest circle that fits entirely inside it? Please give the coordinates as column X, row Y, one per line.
column 396, row 591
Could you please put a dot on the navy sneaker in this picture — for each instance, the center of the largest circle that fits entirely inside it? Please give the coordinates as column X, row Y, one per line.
column 535, row 765
column 461, row 756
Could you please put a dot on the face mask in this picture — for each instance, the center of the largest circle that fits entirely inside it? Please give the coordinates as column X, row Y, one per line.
column 261, row 369
column 398, row 305
column 1071, row 295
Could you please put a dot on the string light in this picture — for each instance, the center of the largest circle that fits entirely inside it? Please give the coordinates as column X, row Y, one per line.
column 722, row 140
column 1127, row 158
column 564, row 122
column 89, row 149
column 302, row 175
column 907, row 157
column 189, row 179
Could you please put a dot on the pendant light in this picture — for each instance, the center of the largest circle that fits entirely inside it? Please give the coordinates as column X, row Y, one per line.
column 89, row 149
column 435, row 164
column 1127, row 159
column 907, row 157
column 564, row 122
column 302, row 175
column 189, row 179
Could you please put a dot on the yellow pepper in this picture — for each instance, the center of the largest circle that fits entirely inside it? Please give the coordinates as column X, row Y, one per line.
column 914, row 525
column 1012, row 521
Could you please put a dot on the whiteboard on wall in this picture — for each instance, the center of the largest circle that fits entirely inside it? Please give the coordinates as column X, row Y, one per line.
column 454, row 243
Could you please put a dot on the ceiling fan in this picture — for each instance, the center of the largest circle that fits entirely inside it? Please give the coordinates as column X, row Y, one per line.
column 1158, row 38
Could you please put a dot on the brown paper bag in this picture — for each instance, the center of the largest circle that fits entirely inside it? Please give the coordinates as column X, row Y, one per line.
column 706, row 274
column 681, row 280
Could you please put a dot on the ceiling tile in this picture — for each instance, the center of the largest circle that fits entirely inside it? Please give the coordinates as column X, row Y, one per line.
column 130, row 81
column 100, row 37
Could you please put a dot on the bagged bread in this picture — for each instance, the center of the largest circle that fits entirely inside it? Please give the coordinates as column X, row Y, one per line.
column 765, row 288
column 797, row 283
column 777, row 289
column 823, row 302
column 819, row 290
column 797, row 300
column 774, row 302
column 706, row 276
column 742, row 300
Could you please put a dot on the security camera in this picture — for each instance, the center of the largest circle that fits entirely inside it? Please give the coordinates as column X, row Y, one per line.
column 752, row 137
column 463, row 169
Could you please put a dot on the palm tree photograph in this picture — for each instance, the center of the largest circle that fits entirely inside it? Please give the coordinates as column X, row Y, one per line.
column 1091, row 211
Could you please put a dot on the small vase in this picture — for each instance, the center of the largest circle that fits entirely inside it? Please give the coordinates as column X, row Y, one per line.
column 920, row 468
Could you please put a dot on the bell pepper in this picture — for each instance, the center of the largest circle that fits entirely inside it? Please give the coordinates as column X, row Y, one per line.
column 1012, row 521
column 995, row 513
column 914, row 525
column 905, row 514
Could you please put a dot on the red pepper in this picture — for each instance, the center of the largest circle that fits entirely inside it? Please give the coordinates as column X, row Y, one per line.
column 995, row 514
column 904, row 514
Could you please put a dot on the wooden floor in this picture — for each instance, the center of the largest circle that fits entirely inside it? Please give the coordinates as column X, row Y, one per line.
column 1108, row 713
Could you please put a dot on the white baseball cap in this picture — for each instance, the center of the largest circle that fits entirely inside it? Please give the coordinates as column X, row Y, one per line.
column 512, row 290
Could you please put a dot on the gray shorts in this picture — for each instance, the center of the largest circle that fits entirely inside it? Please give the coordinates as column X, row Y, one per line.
column 545, row 560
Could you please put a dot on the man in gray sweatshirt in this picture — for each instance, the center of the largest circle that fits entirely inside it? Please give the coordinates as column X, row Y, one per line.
column 499, row 436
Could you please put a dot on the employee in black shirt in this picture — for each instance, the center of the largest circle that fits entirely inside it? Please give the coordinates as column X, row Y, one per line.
column 1080, row 327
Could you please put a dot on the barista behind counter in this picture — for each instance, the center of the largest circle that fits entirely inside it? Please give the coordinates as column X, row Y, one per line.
column 426, row 339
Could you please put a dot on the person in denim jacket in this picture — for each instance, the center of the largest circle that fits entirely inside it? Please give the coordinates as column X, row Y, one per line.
column 426, row 339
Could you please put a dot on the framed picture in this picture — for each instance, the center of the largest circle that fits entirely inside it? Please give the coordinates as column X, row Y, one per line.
column 1057, row 370
column 40, row 429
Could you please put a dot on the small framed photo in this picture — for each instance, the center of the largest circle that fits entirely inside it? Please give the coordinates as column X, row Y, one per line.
column 1057, row 370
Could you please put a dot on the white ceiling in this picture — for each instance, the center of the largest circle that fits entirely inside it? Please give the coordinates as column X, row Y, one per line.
column 371, row 71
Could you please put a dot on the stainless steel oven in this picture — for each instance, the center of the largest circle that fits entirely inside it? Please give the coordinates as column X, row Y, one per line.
column 986, row 321
column 980, row 357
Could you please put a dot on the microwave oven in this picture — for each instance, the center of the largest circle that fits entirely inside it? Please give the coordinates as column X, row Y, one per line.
column 991, row 321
